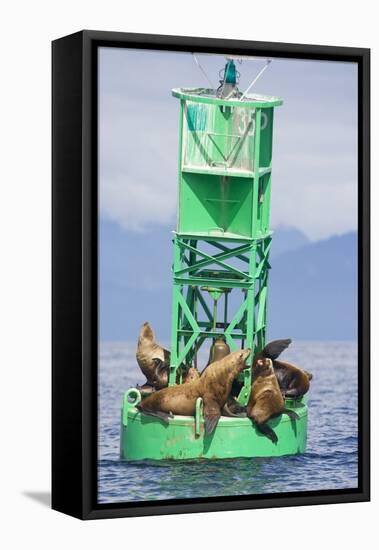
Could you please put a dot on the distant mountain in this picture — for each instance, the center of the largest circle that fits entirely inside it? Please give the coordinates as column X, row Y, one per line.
column 312, row 287
column 286, row 239
column 313, row 291
column 134, row 281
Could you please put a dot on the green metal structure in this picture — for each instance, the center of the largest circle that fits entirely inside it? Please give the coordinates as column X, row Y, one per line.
column 222, row 242
column 220, row 271
column 146, row 437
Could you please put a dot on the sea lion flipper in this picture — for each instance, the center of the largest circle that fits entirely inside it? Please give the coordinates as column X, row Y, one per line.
column 292, row 393
column 145, row 389
column 292, row 414
column 268, row 432
column 210, row 422
column 228, row 411
column 273, row 349
column 233, row 408
column 212, row 413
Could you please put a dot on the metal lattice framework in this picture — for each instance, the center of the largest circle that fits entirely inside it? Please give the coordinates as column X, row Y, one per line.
column 198, row 274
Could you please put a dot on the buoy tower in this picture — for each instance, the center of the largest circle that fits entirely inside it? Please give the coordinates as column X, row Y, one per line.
column 220, row 271
column 223, row 238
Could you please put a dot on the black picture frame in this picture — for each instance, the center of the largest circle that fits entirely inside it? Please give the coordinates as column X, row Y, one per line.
column 74, row 272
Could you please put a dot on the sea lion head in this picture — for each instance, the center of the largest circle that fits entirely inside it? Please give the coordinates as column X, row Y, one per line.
column 263, row 367
column 232, row 364
column 146, row 332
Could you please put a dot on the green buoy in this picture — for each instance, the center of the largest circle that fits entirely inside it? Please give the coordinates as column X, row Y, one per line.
column 221, row 252
column 146, row 437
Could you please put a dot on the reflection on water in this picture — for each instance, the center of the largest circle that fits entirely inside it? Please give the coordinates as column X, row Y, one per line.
column 329, row 463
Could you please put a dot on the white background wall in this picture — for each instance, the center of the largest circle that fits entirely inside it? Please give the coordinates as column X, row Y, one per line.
column 26, row 31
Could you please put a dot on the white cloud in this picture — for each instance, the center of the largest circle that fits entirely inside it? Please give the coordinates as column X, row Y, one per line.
column 314, row 181
column 139, row 207
column 138, row 162
column 317, row 212
column 314, row 185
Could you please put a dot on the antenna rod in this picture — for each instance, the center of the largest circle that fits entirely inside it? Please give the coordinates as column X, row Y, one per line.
column 256, row 78
column 202, row 70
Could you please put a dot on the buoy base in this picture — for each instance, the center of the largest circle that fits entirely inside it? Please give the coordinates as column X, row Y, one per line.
column 145, row 437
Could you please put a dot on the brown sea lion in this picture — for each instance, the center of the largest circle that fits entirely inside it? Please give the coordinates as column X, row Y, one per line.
column 293, row 381
column 213, row 386
column 266, row 400
column 145, row 389
column 184, row 373
column 233, row 408
column 272, row 350
column 190, row 375
column 219, row 350
column 149, row 354
column 161, row 377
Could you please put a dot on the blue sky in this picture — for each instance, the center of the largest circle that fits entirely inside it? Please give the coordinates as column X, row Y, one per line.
column 315, row 138
column 314, row 183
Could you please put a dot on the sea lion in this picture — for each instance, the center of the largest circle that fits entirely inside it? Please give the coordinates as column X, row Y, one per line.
column 272, row 350
column 266, row 400
column 233, row 408
column 186, row 373
column 145, row 389
column 219, row 350
column 148, row 353
column 293, row 381
column 213, row 386
column 190, row 375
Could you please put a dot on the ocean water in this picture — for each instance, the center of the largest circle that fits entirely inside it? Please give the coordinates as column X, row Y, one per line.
column 330, row 461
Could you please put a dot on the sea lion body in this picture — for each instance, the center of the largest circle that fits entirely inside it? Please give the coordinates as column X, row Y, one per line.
column 213, row 386
column 293, row 381
column 178, row 399
column 191, row 375
column 266, row 400
column 149, row 354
